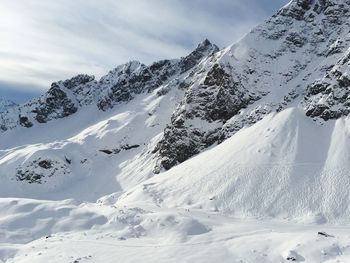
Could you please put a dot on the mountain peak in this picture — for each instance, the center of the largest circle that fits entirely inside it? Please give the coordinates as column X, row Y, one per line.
column 206, row 45
column 204, row 49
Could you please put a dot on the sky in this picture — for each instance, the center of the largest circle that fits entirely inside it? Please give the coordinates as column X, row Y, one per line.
column 45, row 41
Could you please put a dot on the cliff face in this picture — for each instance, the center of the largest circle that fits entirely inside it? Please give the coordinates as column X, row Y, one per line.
column 297, row 57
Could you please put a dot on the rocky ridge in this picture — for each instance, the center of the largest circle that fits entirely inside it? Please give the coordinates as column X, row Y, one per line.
column 298, row 57
column 65, row 98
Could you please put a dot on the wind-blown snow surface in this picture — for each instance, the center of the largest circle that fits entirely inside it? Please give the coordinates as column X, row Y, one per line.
column 83, row 167
column 227, row 241
column 285, row 166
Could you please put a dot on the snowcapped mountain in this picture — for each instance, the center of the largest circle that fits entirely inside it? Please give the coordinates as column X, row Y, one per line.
column 6, row 104
column 259, row 129
column 81, row 127
column 65, row 98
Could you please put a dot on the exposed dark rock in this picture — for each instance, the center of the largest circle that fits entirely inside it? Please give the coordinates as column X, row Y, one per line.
column 163, row 91
column 336, row 48
column 78, row 80
column 216, row 100
column 68, row 160
column 329, row 98
column 24, row 121
column 46, row 164
column 106, row 151
column 344, row 81
column 317, row 87
column 295, row 39
column 324, row 234
column 56, row 104
column 129, row 147
column 177, row 146
column 40, row 170
column 204, row 49
column 125, row 147
column 29, row 176
column 138, row 79
column 122, row 84
column 296, row 9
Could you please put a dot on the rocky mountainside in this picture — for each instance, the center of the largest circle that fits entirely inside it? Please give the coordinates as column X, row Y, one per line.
column 65, row 98
column 298, row 57
column 138, row 120
column 6, row 104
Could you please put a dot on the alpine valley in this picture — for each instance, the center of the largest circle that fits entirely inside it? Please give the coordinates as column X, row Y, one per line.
column 239, row 154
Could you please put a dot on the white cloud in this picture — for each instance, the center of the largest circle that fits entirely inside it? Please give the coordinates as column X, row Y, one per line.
column 43, row 41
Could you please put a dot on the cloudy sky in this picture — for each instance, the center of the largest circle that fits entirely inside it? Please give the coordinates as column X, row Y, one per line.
column 42, row 41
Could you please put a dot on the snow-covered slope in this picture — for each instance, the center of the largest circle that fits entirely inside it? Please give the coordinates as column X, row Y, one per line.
column 104, row 151
column 158, row 235
column 284, row 166
column 6, row 104
column 138, row 120
column 166, row 154
column 116, row 132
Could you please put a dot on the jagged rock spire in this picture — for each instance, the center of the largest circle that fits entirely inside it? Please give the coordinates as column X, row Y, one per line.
column 204, row 49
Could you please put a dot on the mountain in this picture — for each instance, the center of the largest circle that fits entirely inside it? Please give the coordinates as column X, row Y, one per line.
column 296, row 169
column 74, row 130
column 169, row 153
column 65, row 98
column 6, row 104
column 152, row 118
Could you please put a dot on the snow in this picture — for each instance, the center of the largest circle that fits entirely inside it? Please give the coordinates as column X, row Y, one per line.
column 6, row 104
column 87, row 187
column 167, row 235
column 90, row 132
column 219, row 205
column 285, row 166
